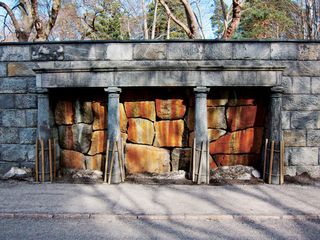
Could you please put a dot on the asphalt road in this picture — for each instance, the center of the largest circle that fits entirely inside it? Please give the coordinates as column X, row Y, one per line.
column 160, row 229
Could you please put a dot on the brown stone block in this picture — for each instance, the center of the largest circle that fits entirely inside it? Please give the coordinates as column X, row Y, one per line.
column 243, row 117
column 217, row 102
column 212, row 163
column 245, row 141
column 94, row 162
column 123, row 119
column 180, row 159
column 216, row 117
column 169, row 133
column 231, row 160
column 141, row 158
column 214, row 134
column 72, row 159
column 83, row 112
column 100, row 120
column 140, row 131
column 140, row 109
column 63, row 113
column 98, row 142
column 170, row 108
column 190, row 119
column 241, row 102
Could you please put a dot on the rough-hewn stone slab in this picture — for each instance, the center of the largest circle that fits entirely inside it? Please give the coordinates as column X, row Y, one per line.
column 170, row 108
column 98, row 142
column 21, row 69
column 301, row 102
column 251, row 51
column 7, row 101
column 155, row 51
column 305, row 119
column 218, row 51
column 94, row 162
column 14, row 53
column 313, row 138
column 100, row 120
column 13, row 118
column 27, row 135
column 180, row 159
column 217, row 117
column 3, row 69
column 284, row 51
column 315, row 85
column 140, row 131
column 169, row 133
column 244, row 117
column 47, row 52
column 285, row 119
column 72, row 159
column 118, row 51
column 123, row 118
column 64, row 113
column 31, row 117
column 13, row 85
column 185, row 51
column 84, row 52
column 299, row 156
column 17, row 153
column 143, row 109
column 295, row 138
column 309, row 51
column 83, row 112
column 26, row 101
column 141, row 158
column 9, row 135
column 301, row 85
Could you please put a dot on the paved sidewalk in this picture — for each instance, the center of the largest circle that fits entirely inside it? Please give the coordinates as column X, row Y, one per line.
column 25, row 200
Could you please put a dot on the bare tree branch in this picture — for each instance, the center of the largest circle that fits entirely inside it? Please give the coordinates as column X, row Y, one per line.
column 236, row 15
column 154, row 19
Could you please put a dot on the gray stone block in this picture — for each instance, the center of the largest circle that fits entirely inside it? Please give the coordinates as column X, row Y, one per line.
column 182, row 50
column 6, row 166
column 31, row 83
column 47, row 52
column 313, row 138
column 14, row 53
column 287, row 84
column 9, row 135
column 13, row 85
column 285, row 119
column 84, row 52
column 218, row 51
column 17, row 153
column 13, row 118
column 284, row 51
column 152, row 51
column 251, row 51
column 3, row 69
column 118, row 51
column 6, row 101
column 313, row 171
column 301, row 102
column 300, row 68
column 27, row 135
column 302, row 156
column 305, row 120
column 21, row 69
column 291, row 171
column 309, row 51
column 26, row 101
column 31, row 118
column 295, row 138
column 301, row 85
column 315, row 85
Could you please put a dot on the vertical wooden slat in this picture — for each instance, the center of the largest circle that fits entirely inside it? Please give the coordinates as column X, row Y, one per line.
column 200, row 163
column 50, row 159
column 54, row 159
column 123, row 160
column 265, row 159
column 37, row 160
column 119, row 159
column 208, row 163
column 111, row 164
column 271, row 161
column 194, row 160
column 42, row 160
column 281, row 163
column 106, row 162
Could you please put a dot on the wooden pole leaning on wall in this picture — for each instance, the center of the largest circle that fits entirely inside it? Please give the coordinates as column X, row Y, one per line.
column 194, row 160
column 281, row 163
column 123, row 160
column 50, row 159
column 54, row 159
column 119, row 159
column 37, row 161
column 208, row 163
column 42, row 160
column 111, row 163
column 200, row 163
column 265, row 160
column 271, row 162
column 106, row 162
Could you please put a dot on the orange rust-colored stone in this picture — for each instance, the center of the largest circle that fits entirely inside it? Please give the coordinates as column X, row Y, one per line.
column 231, row 160
column 244, row 141
column 72, row 159
column 94, row 162
column 170, row 108
column 169, row 133
column 213, row 134
column 212, row 163
column 64, row 113
column 241, row 117
column 217, row 102
column 142, row 158
column 123, row 119
column 216, row 117
column 241, row 102
column 143, row 109
column 100, row 120
column 140, row 131
column 98, row 142
column 190, row 119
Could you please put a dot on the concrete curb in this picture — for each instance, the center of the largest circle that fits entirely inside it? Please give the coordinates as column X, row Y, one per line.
column 208, row 217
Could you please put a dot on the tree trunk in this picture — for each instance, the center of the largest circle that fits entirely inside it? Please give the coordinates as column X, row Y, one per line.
column 236, row 15
column 168, row 27
column 145, row 23
column 154, row 19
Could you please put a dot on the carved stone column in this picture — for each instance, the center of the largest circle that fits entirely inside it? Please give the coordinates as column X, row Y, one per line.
column 113, row 129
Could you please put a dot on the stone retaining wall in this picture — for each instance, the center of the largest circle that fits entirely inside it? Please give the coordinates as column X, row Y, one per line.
column 19, row 102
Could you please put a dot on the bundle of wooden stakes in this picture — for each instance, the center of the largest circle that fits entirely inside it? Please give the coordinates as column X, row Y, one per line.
column 51, row 157
column 196, row 166
column 117, row 147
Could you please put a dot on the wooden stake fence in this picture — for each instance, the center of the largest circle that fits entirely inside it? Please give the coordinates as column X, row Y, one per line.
column 203, row 152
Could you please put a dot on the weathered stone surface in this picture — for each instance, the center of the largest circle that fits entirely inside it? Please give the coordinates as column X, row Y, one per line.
column 299, row 156
column 72, row 159
column 287, row 83
column 6, row 101
column 124, row 137
column 98, row 142
column 313, row 138
column 64, row 113
column 301, row 102
column 14, row 53
column 84, row 52
column 291, row 171
column 83, row 112
column 13, row 85
column 190, row 118
column 169, row 133
column 185, row 51
column 180, row 159
column 155, row 51
column 140, row 131
column 305, row 120
column 141, row 158
column 315, row 83
column 3, row 69
column 241, row 102
column 17, row 153
column 100, row 120
column 13, row 118
column 9, row 135
column 231, row 160
column 217, row 102
column 116, row 51
column 216, row 117
column 214, row 134
column 76, row 137
column 313, row 171
column 45, row 52
column 143, row 109
column 123, row 118
column 284, row 51
column 244, row 117
column 301, row 85
column 212, row 163
column 245, row 141
column 309, row 51
column 26, row 101
column 27, row 135
column 170, row 108
column 94, row 162
column 21, row 69
column 285, row 119
column 251, row 51
column 31, row 118
column 218, row 51
column 295, row 138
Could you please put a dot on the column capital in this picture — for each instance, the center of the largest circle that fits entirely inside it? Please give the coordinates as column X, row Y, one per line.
column 113, row 90
column 277, row 89
column 201, row 90
column 42, row 90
